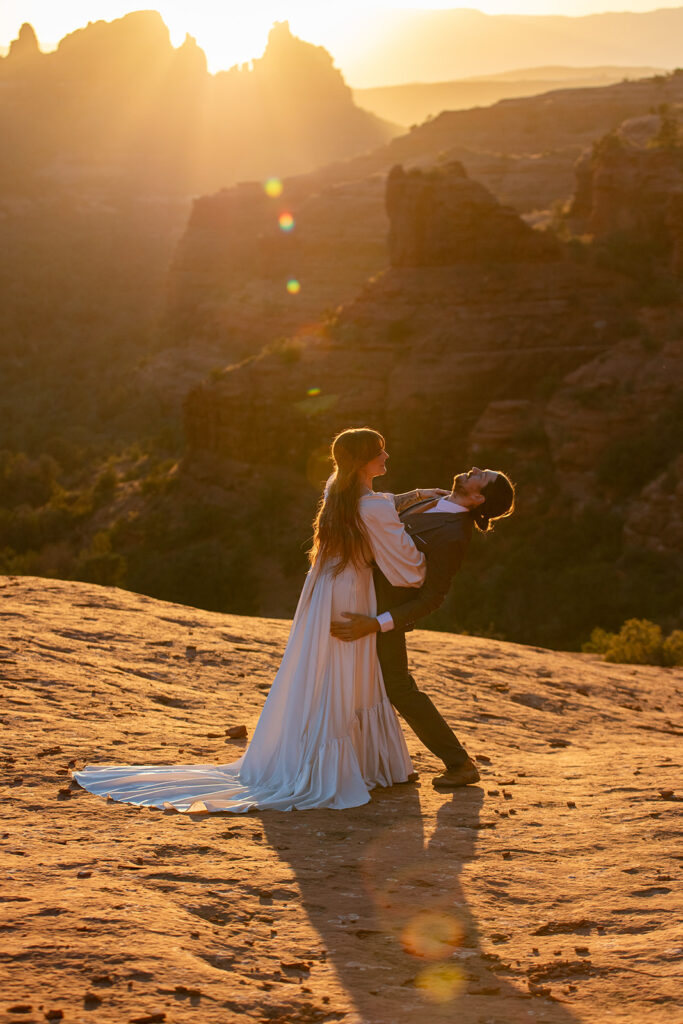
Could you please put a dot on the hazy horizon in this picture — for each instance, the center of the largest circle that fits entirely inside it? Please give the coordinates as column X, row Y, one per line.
column 352, row 33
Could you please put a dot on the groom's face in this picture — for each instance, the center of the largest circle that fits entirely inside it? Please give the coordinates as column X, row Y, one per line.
column 470, row 485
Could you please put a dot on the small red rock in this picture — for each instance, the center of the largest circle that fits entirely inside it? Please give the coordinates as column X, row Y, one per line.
column 295, row 965
column 236, row 732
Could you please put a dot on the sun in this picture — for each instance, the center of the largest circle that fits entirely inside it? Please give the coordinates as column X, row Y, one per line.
column 231, row 35
column 226, row 40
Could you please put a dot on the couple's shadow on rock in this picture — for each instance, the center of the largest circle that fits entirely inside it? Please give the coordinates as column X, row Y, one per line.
column 382, row 887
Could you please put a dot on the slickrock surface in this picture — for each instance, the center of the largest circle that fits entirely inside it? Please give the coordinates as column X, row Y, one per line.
column 548, row 893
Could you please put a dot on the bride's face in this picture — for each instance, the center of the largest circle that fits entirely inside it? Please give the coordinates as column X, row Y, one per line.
column 376, row 466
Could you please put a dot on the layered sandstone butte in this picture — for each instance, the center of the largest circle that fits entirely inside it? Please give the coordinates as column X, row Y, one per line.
column 443, row 218
column 475, row 307
column 523, row 151
column 624, row 394
column 654, row 521
column 228, row 281
column 630, row 187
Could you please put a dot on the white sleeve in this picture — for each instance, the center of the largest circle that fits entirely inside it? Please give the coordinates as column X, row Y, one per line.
column 386, row 622
column 393, row 550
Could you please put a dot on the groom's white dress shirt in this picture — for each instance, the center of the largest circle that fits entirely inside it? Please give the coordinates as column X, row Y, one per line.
column 443, row 505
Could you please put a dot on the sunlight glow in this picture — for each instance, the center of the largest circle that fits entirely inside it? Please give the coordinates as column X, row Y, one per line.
column 273, row 188
column 433, row 935
column 286, row 221
column 293, row 286
column 441, row 983
column 232, row 35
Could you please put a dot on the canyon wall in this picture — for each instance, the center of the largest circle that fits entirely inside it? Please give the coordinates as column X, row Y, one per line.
column 474, row 307
column 225, row 283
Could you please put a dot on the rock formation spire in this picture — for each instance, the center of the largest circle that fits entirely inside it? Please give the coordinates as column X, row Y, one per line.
column 25, row 45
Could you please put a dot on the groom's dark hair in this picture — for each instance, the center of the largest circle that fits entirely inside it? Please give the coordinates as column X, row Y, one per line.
column 499, row 502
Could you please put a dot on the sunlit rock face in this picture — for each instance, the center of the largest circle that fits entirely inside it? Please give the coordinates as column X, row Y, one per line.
column 25, row 46
column 117, row 103
column 615, row 424
column 229, row 278
column 630, row 186
column 442, row 217
column 655, row 518
column 225, row 287
column 610, row 416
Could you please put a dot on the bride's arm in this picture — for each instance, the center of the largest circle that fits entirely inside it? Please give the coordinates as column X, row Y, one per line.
column 404, row 501
column 410, row 498
column 393, row 550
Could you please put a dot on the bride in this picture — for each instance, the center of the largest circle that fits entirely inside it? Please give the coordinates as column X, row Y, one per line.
column 327, row 733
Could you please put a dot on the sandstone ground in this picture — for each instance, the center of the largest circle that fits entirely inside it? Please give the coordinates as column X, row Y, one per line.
column 550, row 892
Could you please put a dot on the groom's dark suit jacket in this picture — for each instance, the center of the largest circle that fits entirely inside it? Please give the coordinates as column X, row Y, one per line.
column 444, row 538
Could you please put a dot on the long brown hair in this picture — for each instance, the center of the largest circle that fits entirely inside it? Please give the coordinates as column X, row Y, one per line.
column 338, row 531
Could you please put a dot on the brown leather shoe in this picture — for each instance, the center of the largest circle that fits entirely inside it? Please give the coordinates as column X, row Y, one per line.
column 464, row 775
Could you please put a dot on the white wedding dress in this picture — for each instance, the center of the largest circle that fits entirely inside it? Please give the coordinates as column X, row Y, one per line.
column 327, row 733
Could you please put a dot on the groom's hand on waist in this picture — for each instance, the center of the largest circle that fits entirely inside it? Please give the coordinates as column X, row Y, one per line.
column 355, row 627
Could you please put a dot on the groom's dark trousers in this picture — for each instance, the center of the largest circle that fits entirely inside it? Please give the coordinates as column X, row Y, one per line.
column 444, row 538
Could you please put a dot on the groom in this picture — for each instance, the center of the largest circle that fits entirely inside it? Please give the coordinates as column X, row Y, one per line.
column 442, row 529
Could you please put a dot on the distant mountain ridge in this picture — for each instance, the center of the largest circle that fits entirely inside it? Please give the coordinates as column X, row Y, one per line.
column 439, row 45
column 413, row 103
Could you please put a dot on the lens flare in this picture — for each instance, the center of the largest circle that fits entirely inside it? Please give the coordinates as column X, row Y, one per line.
column 293, row 286
column 286, row 221
column 273, row 188
column 312, row 392
column 432, row 935
column 441, row 983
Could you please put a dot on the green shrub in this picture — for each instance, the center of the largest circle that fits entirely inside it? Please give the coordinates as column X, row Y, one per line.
column 599, row 641
column 672, row 648
column 638, row 642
